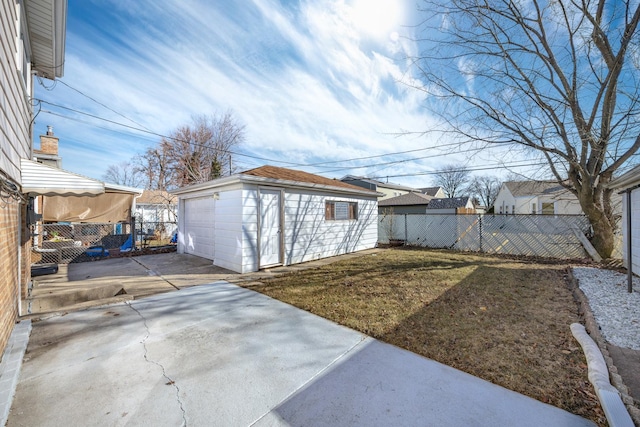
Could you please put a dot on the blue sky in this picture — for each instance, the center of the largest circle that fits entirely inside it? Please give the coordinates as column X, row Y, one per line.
column 314, row 81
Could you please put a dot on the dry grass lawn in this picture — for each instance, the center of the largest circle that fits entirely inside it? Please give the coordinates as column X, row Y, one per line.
column 503, row 320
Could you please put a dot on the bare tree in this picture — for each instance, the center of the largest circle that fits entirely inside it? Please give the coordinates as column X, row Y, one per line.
column 485, row 188
column 124, row 173
column 557, row 77
column 453, row 179
column 196, row 152
column 154, row 166
column 201, row 151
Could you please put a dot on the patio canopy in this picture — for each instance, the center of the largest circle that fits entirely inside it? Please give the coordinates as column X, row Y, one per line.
column 71, row 197
column 43, row 180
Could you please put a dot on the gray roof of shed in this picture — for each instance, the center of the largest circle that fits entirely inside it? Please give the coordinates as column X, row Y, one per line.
column 448, row 203
column 409, row 199
column 351, row 178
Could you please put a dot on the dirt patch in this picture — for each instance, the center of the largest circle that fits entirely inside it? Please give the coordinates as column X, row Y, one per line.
column 504, row 320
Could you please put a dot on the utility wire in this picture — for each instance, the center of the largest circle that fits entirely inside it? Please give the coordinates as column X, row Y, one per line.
column 264, row 158
column 158, row 134
column 386, row 164
column 103, row 105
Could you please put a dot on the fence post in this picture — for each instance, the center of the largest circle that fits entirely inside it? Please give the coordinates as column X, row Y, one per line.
column 480, row 231
column 406, row 233
column 133, row 231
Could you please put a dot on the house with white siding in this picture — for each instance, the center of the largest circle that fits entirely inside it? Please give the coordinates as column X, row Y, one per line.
column 32, row 42
column 536, row 197
column 272, row 216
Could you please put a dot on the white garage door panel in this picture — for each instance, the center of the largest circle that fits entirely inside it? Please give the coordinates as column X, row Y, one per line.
column 199, row 224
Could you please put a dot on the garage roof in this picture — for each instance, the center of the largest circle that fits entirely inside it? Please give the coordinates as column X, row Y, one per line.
column 281, row 177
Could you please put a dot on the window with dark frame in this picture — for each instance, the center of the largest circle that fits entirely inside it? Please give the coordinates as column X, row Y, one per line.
column 337, row 211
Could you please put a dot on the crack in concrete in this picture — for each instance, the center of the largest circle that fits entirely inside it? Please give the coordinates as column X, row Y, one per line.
column 153, row 273
column 170, row 381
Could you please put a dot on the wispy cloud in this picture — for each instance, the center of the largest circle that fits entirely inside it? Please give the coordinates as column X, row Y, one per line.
column 307, row 82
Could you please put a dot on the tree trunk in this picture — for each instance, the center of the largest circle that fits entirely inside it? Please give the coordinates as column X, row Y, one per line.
column 603, row 232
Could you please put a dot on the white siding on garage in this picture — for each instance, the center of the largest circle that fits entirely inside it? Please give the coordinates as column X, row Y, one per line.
column 228, row 232
column 308, row 236
column 199, row 224
column 250, row 229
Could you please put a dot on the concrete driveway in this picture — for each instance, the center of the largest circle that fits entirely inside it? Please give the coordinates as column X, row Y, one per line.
column 221, row 355
column 168, row 350
column 82, row 285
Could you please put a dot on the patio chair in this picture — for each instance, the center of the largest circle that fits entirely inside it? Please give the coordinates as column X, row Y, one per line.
column 127, row 246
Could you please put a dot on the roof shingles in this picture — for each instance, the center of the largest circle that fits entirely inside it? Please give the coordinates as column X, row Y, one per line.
column 274, row 172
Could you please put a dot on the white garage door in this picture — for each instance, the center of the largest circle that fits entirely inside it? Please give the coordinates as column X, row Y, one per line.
column 199, row 222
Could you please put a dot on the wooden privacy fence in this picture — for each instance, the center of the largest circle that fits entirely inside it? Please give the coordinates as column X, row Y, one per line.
column 553, row 236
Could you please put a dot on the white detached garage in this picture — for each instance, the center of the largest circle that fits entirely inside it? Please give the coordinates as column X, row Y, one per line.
column 272, row 216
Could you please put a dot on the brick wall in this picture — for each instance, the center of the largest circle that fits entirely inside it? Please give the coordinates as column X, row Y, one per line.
column 9, row 235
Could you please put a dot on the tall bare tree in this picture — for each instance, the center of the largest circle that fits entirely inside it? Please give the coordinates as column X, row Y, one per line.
column 485, row 188
column 195, row 152
column 154, row 166
column 453, row 179
column 559, row 77
column 123, row 173
column 202, row 150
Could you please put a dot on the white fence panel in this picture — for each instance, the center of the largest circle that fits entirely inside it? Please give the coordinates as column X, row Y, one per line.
column 532, row 235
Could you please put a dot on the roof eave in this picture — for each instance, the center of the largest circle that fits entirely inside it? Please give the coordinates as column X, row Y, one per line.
column 252, row 179
column 626, row 180
column 47, row 37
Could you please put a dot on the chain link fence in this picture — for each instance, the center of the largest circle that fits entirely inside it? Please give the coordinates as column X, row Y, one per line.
column 65, row 243
column 552, row 236
column 155, row 233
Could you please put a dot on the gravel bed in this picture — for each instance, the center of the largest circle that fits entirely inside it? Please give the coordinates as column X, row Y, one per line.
column 616, row 310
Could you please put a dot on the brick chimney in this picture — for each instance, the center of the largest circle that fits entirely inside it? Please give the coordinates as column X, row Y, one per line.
column 48, row 143
column 48, row 152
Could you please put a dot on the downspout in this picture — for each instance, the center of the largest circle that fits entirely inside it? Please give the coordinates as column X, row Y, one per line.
column 20, row 260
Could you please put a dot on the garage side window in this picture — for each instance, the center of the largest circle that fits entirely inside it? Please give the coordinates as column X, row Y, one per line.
column 335, row 211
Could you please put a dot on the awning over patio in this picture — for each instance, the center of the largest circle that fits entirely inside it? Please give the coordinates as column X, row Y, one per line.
column 71, row 197
column 42, row 180
column 107, row 207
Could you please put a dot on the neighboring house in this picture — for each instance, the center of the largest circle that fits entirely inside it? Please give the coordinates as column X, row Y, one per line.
column 410, row 203
column 436, row 192
column 629, row 184
column 451, row 206
column 157, row 211
column 388, row 190
column 32, row 42
column 536, row 197
column 273, row 216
